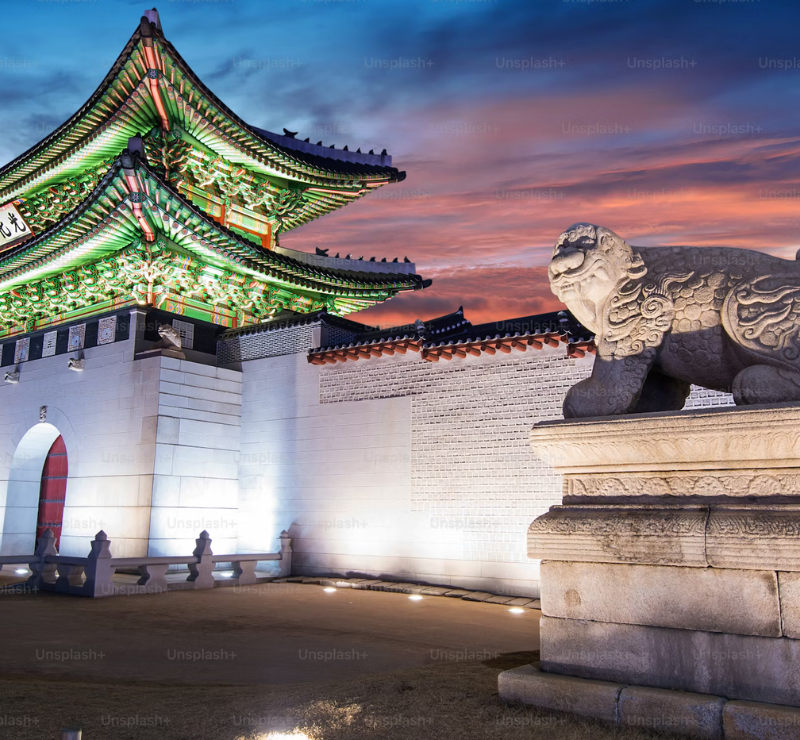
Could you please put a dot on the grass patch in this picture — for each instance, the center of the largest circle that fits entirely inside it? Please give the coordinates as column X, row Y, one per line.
column 445, row 701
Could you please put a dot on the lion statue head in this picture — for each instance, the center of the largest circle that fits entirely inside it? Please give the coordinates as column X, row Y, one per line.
column 589, row 262
column 170, row 336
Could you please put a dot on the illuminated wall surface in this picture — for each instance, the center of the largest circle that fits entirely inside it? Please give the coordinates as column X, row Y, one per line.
column 392, row 466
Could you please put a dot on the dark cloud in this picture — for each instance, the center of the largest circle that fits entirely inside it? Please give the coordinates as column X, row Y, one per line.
column 669, row 121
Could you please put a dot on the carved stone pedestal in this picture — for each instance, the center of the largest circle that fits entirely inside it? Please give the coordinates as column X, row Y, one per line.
column 671, row 574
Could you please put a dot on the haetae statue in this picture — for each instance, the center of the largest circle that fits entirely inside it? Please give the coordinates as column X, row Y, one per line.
column 666, row 317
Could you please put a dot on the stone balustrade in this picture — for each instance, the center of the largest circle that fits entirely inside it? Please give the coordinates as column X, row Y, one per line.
column 93, row 575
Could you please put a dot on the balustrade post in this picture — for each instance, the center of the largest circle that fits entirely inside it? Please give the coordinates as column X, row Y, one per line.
column 153, row 578
column 99, row 569
column 286, row 555
column 70, row 577
column 201, row 573
column 244, row 571
column 42, row 572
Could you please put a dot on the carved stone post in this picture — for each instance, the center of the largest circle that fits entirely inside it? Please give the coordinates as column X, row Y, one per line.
column 98, row 568
column 153, row 577
column 201, row 573
column 41, row 572
column 286, row 555
column 70, row 577
column 244, row 571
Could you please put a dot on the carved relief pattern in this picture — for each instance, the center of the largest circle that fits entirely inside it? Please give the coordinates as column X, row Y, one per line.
column 50, row 206
column 754, row 524
column 150, row 274
column 764, row 316
column 712, row 483
column 619, row 521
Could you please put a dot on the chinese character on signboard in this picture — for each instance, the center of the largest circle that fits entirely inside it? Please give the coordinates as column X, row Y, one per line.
column 12, row 226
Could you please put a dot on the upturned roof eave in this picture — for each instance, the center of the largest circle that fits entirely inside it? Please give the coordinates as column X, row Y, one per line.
column 392, row 174
column 388, row 174
column 370, row 281
column 76, row 117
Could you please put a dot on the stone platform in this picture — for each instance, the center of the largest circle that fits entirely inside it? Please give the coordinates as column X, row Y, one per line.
column 671, row 574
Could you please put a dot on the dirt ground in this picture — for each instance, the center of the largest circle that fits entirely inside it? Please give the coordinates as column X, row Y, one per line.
column 428, row 669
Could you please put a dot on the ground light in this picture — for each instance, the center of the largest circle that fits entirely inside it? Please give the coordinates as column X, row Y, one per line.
column 328, row 590
column 21, row 571
column 415, row 597
column 286, row 736
column 516, row 610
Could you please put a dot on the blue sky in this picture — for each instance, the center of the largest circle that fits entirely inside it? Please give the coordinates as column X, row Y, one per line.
column 669, row 122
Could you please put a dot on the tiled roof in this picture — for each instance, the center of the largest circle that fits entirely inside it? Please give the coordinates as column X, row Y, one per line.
column 96, row 219
column 123, row 106
column 459, row 338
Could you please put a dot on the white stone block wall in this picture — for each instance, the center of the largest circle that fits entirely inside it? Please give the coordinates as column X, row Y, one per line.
column 401, row 467
column 107, row 416
column 196, row 471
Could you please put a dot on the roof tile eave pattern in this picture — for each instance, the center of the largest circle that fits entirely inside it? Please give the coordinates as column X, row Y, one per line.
column 448, row 349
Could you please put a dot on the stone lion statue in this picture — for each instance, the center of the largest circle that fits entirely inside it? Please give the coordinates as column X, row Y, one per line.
column 667, row 317
column 170, row 337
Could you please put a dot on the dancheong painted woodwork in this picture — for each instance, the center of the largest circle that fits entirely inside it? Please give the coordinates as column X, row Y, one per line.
column 155, row 193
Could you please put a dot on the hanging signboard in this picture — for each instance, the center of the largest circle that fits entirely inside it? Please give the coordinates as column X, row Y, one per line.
column 12, row 227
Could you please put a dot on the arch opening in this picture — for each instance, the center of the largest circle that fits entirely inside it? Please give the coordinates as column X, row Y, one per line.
column 21, row 511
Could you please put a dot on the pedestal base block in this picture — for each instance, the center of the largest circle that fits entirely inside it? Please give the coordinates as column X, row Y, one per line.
column 676, row 712
column 529, row 685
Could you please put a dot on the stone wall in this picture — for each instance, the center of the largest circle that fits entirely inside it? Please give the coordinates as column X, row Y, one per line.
column 403, row 468
column 152, row 447
column 195, row 482
column 107, row 415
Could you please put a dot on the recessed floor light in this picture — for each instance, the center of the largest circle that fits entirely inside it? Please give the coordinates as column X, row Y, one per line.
column 329, row 590
column 517, row 610
column 415, row 597
column 21, row 571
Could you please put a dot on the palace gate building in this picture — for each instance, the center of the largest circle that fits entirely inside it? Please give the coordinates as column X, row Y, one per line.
column 155, row 212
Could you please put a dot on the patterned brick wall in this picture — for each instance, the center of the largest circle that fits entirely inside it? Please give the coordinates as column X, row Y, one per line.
column 472, row 466
column 272, row 343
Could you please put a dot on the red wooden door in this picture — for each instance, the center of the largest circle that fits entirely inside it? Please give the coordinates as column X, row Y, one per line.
column 53, row 491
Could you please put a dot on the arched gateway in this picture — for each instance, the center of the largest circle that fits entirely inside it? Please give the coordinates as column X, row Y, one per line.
column 36, row 491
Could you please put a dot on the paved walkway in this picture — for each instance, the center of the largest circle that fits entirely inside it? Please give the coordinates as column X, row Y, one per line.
column 267, row 633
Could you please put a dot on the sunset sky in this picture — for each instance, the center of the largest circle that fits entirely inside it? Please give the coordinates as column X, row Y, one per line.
column 671, row 122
